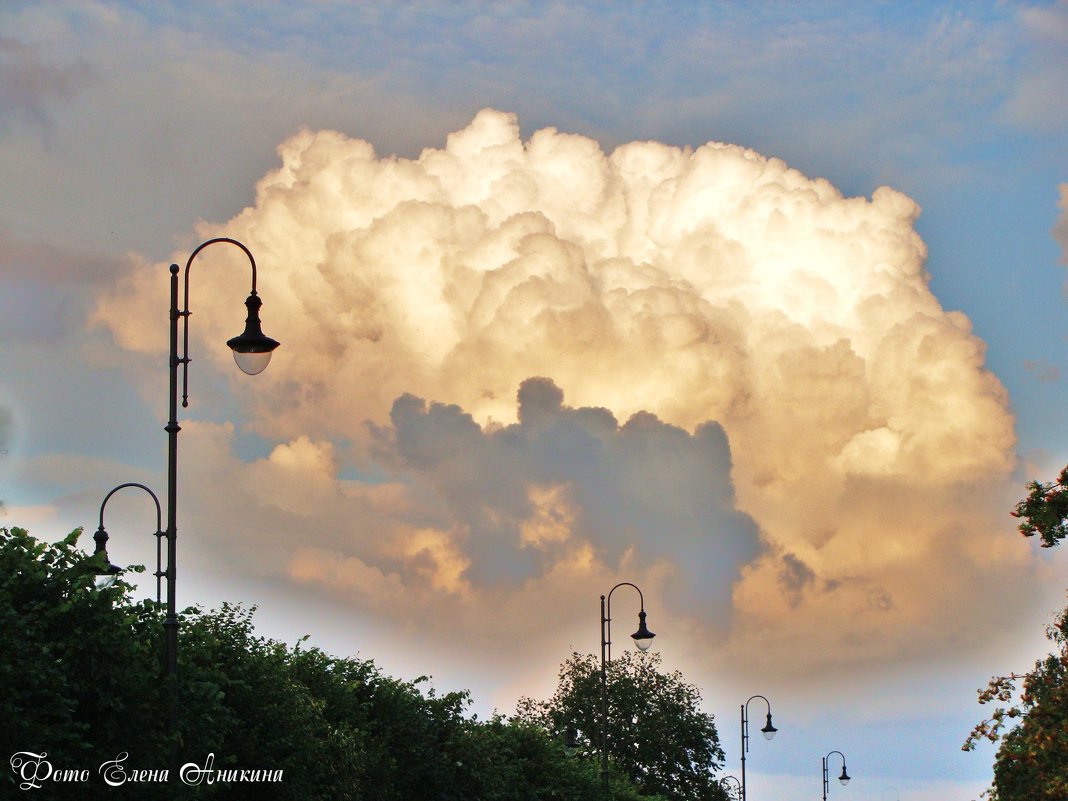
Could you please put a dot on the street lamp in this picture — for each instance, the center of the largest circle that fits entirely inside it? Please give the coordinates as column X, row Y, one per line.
column 252, row 352
column 643, row 638
column 768, row 731
column 106, row 573
column 844, row 778
column 737, row 786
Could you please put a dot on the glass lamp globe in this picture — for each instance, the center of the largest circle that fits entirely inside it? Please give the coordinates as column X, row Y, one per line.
column 252, row 349
column 769, row 730
column 643, row 638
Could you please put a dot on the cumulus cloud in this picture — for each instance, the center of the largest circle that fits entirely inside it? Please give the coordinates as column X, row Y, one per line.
column 706, row 298
column 409, row 553
column 473, row 517
column 529, row 492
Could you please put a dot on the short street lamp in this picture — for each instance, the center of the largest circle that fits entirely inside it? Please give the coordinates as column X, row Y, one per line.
column 105, row 572
column 768, row 731
column 725, row 783
column 643, row 638
column 844, row 778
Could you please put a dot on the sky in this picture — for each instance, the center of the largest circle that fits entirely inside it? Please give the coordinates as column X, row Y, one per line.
column 757, row 306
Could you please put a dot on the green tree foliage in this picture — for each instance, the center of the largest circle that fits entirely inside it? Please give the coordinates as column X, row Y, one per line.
column 657, row 736
column 1045, row 510
column 61, row 644
column 1031, row 763
column 81, row 679
column 1032, row 757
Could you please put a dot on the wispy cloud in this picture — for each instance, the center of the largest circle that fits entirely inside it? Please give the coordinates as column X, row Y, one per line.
column 30, row 83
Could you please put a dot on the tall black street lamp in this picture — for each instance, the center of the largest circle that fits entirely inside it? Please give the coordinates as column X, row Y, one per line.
column 643, row 638
column 844, row 778
column 252, row 352
column 768, row 731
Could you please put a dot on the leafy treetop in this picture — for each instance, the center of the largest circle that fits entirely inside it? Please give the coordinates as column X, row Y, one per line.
column 1045, row 510
column 1032, row 758
column 658, row 737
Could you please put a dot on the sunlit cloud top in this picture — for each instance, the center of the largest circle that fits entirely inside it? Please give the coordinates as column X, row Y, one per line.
column 712, row 291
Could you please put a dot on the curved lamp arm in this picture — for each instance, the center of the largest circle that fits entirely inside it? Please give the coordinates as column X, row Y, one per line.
column 844, row 778
column 769, row 728
column 252, row 350
column 110, row 572
column 642, row 637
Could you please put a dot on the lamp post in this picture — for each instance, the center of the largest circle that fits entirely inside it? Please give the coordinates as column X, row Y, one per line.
column 252, row 352
column 107, row 573
column 737, row 786
column 768, row 731
column 643, row 638
column 844, row 778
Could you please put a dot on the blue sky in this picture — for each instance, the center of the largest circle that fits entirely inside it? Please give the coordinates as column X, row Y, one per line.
column 129, row 132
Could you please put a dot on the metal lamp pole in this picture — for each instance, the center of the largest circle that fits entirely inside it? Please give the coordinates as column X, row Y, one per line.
column 252, row 352
column 768, row 731
column 643, row 638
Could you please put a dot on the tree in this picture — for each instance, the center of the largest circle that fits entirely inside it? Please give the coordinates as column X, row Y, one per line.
column 1032, row 759
column 1045, row 510
column 82, row 679
column 657, row 735
column 61, row 643
column 515, row 760
column 1031, row 763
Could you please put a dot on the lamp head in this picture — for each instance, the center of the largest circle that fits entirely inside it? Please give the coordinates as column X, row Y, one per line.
column 252, row 350
column 769, row 730
column 844, row 778
column 643, row 638
column 571, row 738
column 104, row 572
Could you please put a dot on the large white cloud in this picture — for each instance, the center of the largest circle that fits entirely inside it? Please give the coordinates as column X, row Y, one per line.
column 696, row 294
